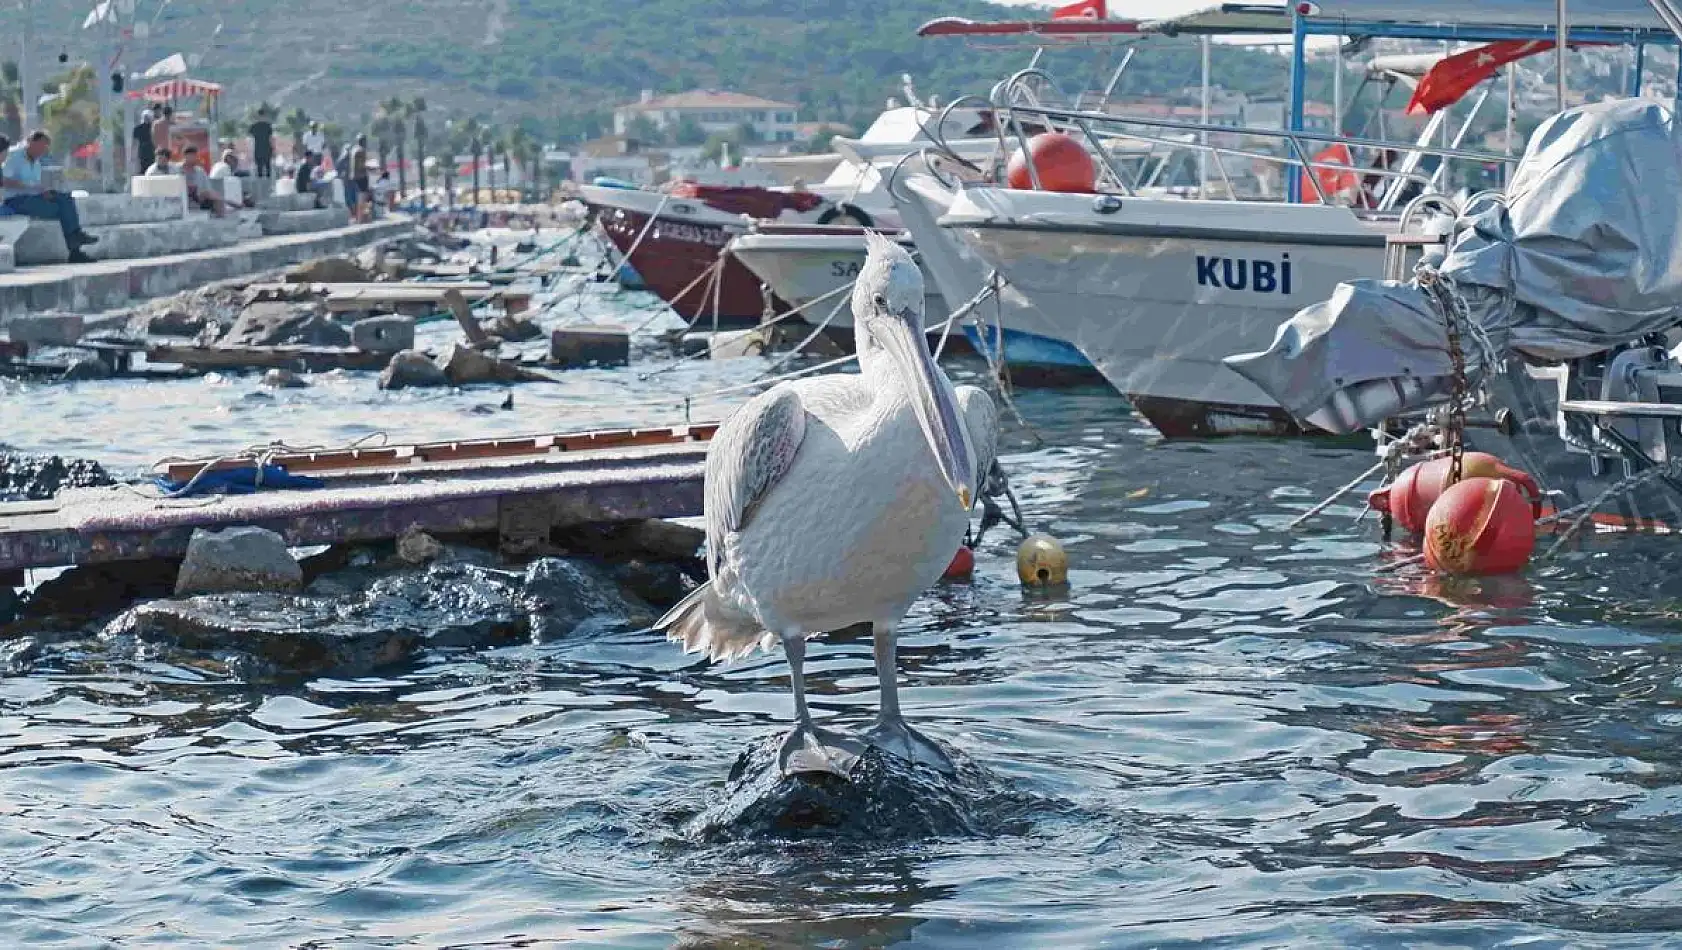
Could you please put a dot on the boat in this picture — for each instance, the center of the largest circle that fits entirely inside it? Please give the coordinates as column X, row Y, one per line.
column 675, row 238
column 1157, row 290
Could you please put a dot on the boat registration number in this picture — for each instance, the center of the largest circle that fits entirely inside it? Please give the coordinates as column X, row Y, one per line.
column 845, row 268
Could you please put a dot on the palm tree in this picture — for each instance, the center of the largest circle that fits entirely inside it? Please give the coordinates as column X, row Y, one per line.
column 71, row 116
column 473, row 133
column 296, row 123
column 395, row 113
column 488, row 139
column 447, row 161
column 11, row 101
column 416, row 107
column 227, row 133
column 380, row 129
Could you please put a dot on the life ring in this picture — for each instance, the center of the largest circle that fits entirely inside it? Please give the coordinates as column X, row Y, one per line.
column 846, row 215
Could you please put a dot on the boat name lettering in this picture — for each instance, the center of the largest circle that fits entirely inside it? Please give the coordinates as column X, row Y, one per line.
column 680, row 231
column 1237, row 273
column 844, row 268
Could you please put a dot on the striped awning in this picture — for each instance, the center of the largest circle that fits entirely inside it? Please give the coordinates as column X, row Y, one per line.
column 171, row 90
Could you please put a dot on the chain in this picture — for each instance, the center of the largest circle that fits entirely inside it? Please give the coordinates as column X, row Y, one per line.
column 1581, row 514
column 1454, row 423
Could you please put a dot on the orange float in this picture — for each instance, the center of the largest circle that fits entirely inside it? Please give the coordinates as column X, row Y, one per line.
column 1480, row 526
column 962, row 566
column 1063, row 165
column 1409, row 498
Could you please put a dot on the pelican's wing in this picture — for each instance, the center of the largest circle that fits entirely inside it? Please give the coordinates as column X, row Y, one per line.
column 748, row 455
column 981, row 421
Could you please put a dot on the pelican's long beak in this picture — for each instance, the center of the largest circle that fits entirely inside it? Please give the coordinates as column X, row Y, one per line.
column 931, row 397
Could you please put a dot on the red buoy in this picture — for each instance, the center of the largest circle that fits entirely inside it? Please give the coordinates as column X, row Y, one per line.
column 1480, row 526
column 1063, row 164
column 962, row 566
column 1409, row 498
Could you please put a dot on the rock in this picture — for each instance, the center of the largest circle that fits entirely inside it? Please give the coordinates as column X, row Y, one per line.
column 465, row 365
column 567, row 595
column 96, row 590
column 329, row 270
column 45, row 329
column 176, row 323
column 412, row 368
column 238, row 559
column 664, row 539
column 39, row 477
column 280, row 324
column 513, row 329
column 284, row 379
column 661, row 583
column 10, row 603
column 387, row 334
column 17, row 655
column 884, row 798
column 415, row 546
column 86, row 368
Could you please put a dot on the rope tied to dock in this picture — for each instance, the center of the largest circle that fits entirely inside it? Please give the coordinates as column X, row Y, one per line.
column 263, row 472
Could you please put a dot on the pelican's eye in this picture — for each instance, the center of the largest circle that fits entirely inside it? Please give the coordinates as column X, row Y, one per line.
column 881, row 302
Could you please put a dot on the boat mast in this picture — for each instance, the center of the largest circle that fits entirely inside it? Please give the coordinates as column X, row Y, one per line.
column 1559, row 53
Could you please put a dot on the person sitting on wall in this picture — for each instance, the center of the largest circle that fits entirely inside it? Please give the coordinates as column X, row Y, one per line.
column 303, row 176
column 322, row 176
column 160, row 164
column 228, row 167
column 21, row 191
column 199, row 189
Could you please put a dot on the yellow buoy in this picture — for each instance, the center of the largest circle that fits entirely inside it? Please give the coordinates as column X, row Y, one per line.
column 1042, row 562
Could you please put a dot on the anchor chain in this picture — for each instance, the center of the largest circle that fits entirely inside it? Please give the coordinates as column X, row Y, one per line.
column 1448, row 304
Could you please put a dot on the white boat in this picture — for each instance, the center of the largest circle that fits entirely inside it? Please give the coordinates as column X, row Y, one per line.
column 810, row 266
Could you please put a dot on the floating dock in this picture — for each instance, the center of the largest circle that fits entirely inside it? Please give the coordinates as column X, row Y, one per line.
column 519, row 488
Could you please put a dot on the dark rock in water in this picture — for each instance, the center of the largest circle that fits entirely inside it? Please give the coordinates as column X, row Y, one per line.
column 412, row 368
column 513, row 329
column 280, row 324
column 329, row 270
column 11, row 604
column 661, row 583
column 649, row 538
column 465, row 365
column 86, row 368
column 567, row 594
column 284, row 379
column 176, row 323
column 98, row 590
column 350, row 625
column 17, row 655
column 39, row 477
column 885, row 797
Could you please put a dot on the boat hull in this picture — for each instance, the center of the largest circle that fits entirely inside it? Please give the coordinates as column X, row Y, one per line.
column 1157, row 298
column 673, row 259
column 802, row 268
column 1032, row 349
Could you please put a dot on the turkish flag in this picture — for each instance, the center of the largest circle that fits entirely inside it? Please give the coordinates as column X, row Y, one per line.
column 1084, row 10
column 1333, row 181
column 1454, row 76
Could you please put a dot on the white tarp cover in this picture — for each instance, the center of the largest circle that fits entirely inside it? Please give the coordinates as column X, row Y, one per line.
column 1583, row 255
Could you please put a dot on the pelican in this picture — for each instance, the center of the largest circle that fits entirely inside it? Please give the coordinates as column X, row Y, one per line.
column 837, row 500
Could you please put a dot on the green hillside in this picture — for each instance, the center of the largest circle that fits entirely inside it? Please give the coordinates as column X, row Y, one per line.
column 559, row 66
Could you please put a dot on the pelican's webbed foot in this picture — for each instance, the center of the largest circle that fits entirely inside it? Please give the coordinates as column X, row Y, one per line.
column 809, row 749
column 893, row 736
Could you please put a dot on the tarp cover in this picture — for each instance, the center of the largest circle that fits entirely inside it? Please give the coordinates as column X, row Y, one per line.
column 1584, row 255
column 748, row 200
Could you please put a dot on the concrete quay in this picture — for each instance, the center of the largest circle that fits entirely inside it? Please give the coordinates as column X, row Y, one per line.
column 113, row 284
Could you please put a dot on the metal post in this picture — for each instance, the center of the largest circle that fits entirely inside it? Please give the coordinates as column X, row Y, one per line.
column 1507, row 140
column 1337, row 88
column 1560, row 52
column 1203, row 137
column 1635, row 76
column 26, row 82
column 1299, row 68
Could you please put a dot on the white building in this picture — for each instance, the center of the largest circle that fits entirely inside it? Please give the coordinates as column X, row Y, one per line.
column 713, row 111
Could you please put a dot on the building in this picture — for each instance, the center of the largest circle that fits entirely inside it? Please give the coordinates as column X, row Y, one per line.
column 713, row 111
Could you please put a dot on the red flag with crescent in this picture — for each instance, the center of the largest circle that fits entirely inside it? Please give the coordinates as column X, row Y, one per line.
column 1454, row 76
column 1083, row 10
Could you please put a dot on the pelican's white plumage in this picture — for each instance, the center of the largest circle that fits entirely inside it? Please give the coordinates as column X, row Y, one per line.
column 837, row 500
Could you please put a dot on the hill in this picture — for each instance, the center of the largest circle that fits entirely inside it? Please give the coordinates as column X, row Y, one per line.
column 559, row 66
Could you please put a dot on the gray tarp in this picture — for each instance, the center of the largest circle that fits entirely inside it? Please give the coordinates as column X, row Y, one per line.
column 1584, row 255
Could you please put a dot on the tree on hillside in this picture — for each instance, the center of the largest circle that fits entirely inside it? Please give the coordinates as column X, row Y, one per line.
column 643, row 129
column 746, row 134
column 228, row 132
column 295, row 124
column 521, row 147
column 689, row 132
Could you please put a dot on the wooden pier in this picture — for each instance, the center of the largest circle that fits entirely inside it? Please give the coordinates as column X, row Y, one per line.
column 518, row 488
